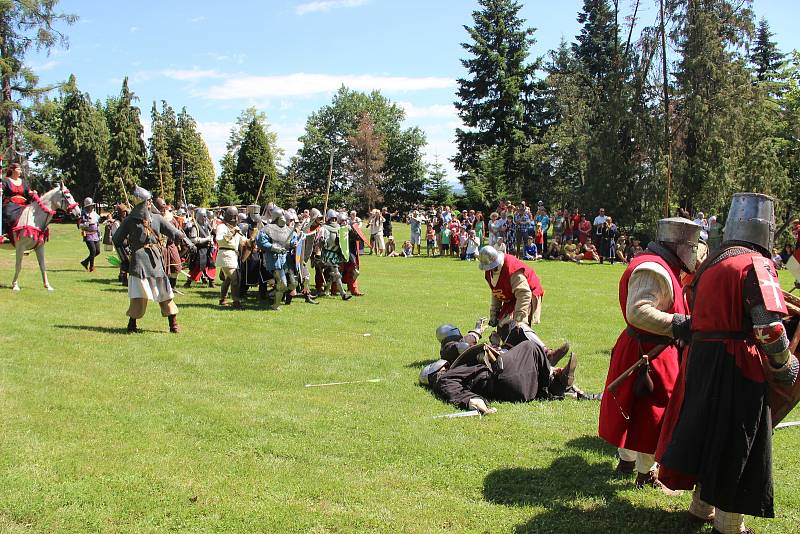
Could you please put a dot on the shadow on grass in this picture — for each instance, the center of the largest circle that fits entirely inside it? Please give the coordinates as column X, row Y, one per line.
column 593, row 444
column 103, row 329
column 102, row 281
column 560, row 489
column 419, row 363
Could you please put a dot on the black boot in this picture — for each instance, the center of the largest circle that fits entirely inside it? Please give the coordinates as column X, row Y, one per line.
column 188, row 284
column 310, row 299
column 287, row 298
column 132, row 329
column 173, row 324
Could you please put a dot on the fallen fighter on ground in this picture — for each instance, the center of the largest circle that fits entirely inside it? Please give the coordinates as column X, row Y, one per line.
column 470, row 374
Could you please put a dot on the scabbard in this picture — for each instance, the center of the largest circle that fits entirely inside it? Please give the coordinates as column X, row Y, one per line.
column 627, row 373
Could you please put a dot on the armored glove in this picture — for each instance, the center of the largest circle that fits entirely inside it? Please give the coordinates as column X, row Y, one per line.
column 277, row 249
column 493, row 321
column 480, row 325
column 682, row 328
column 477, row 403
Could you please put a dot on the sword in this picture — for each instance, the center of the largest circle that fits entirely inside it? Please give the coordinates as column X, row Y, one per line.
column 371, row 380
column 784, row 425
column 471, row 413
column 654, row 352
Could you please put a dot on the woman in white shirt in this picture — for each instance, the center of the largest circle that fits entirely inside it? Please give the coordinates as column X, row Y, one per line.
column 376, row 232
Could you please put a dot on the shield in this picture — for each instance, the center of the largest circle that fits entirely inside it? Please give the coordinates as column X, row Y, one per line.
column 308, row 248
column 344, row 233
column 783, row 399
column 360, row 232
column 298, row 254
column 770, row 287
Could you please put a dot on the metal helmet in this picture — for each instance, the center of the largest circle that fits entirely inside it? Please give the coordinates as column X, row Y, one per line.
column 291, row 215
column 231, row 215
column 253, row 209
column 201, row 215
column 751, row 219
column 140, row 194
column 88, row 202
column 342, row 217
column 681, row 237
column 277, row 213
column 331, row 214
column 430, row 369
column 445, row 331
column 489, row 258
column 315, row 214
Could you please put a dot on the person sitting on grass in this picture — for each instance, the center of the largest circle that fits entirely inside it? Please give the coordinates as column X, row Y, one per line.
column 529, row 252
column 553, row 250
column 569, row 252
column 588, row 252
column 390, row 246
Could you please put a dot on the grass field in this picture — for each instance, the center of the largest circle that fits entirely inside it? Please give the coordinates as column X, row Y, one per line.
column 212, row 430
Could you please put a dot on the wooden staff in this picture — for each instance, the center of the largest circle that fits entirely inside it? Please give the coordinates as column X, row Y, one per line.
column 328, row 190
column 259, row 188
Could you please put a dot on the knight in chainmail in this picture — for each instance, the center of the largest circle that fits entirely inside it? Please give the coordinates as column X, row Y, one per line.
column 718, row 434
column 275, row 240
column 331, row 256
column 201, row 266
column 147, row 272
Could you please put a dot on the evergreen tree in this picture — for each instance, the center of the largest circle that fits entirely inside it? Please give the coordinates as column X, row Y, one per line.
column 24, row 25
column 127, row 153
column 255, row 162
column 38, row 142
column 438, row 191
column 196, row 181
column 226, row 192
column 493, row 101
column 159, row 160
column 83, row 140
column 766, row 58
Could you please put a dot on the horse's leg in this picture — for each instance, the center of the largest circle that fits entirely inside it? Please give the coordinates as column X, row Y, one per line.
column 19, row 249
column 40, row 258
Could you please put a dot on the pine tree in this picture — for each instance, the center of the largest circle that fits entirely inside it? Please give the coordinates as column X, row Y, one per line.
column 255, row 161
column 438, row 192
column 83, row 140
column 766, row 58
column 368, row 157
column 196, row 181
column 127, row 153
column 226, row 192
column 493, row 101
column 159, row 160
column 24, row 25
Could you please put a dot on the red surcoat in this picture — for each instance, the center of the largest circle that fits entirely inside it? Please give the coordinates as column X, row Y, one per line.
column 640, row 432
column 502, row 291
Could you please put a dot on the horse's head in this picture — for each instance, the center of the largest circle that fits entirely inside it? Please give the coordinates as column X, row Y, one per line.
column 67, row 203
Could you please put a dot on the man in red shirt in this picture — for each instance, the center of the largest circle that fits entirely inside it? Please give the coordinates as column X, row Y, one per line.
column 516, row 290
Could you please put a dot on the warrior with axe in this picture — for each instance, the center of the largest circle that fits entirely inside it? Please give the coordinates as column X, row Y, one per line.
column 644, row 362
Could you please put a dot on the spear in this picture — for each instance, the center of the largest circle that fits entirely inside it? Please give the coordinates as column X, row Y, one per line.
column 330, row 175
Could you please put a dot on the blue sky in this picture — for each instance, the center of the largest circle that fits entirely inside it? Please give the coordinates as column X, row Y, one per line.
column 287, row 57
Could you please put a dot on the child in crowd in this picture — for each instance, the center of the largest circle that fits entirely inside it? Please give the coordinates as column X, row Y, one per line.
column 500, row 245
column 407, row 249
column 445, row 241
column 430, row 240
column 529, row 252
column 473, row 245
column 462, row 242
column 390, row 246
column 588, row 252
column 539, row 240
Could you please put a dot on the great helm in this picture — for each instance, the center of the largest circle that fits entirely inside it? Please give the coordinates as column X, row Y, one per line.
column 253, row 209
column 231, row 215
column 445, row 331
column 681, row 237
column 430, row 369
column 201, row 214
column 331, row 214
column 277, row 213
column 489, row 258
column 751, row 219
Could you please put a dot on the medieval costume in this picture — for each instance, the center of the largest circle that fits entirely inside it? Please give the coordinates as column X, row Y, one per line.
column 15, row 197
column 253, row 269
column 275, row 240
column 718, row 429
column 470, row 373
column 516, row 290
column 330, row 257
column 229, row 238
column 652, row 304
column 147, row 277
column 89, row 223
column 201, row 266
column 351, row 268
column 172, row 256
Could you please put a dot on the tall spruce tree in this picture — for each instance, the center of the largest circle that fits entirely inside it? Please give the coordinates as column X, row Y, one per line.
column 24, row 25
column 196, row 181
column 438, row 191
column 127, row 154
column 83, row 140
column 255, row 162
column 765, row 57
column 493, row 100
column 159, row 159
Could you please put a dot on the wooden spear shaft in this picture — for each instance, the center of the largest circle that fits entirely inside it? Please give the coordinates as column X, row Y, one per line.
column 328, row 190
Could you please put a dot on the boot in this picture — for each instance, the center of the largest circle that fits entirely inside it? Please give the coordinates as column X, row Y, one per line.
column 173, row 282
column 310, row 299
column 651, row 479
column 188, row 284
column 563, row 377
column 132, row 329
column 85, row 264
column 287, row 298
column 125, row 280
column 555, row 355
column 173, row 324
column 625, row 467
column 277, row 299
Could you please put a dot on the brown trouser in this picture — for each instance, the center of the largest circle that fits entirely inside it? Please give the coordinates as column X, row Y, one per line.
column 137, row 308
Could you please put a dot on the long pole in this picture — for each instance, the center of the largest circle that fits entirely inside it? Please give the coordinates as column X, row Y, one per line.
column 263, row 176
column 667, row 140
column 160, row 175
column 330, row 175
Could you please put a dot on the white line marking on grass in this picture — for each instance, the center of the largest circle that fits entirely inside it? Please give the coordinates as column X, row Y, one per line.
column 470, row 413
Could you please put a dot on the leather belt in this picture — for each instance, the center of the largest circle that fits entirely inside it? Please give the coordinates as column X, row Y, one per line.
column 705, row 336
column 648, row 338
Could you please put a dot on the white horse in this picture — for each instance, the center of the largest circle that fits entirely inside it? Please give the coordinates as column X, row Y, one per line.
column 31, row 233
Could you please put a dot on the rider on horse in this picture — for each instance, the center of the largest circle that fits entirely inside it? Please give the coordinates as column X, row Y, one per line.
column 16, row 195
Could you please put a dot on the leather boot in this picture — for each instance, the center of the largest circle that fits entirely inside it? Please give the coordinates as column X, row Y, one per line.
column 132, row 329
column 310, row 299
column 625, row 467
column 651, row 479
column 173, row 324
column 555, row 355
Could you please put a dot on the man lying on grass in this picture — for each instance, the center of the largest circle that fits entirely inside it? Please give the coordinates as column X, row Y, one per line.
column 512, row 367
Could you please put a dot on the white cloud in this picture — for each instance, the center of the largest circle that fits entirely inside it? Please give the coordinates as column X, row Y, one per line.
column 134, row 29
column 48, row 65
column 326, row 5
column 301, row 84
column 191, row 74
column 195, row 20
column 435, row 111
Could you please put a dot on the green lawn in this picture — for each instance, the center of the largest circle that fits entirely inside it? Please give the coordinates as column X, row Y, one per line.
column 213, row 431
